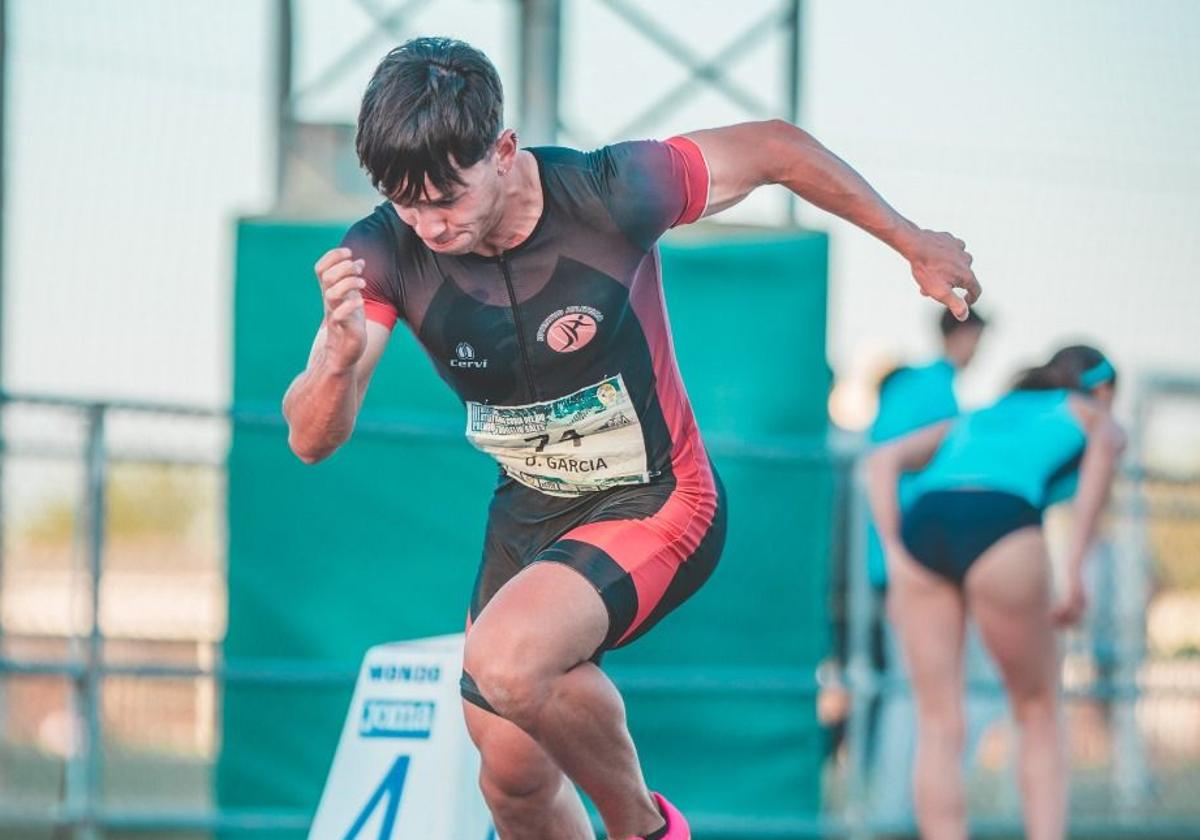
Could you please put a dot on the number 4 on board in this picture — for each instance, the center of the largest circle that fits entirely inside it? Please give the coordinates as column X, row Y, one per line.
column 392, row 787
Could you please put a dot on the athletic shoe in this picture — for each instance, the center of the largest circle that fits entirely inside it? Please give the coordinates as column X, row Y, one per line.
column 677, row 826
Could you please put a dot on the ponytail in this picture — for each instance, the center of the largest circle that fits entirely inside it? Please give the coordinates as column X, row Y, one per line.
column 1075, row 368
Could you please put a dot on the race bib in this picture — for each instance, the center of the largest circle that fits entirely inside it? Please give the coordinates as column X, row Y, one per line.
column 586, row 441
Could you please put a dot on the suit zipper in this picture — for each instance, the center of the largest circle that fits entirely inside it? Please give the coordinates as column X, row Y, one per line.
column 512, row 298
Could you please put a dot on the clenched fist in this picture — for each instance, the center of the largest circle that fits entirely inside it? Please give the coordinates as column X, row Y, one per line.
column 341, row 280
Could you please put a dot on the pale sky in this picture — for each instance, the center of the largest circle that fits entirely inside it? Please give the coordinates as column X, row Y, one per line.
column 1060, row 140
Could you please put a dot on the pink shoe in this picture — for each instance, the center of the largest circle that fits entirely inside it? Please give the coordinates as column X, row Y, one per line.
column 677, row 826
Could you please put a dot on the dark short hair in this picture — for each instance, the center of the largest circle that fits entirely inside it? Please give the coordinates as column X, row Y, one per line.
column 432, row 105
column 949, row 324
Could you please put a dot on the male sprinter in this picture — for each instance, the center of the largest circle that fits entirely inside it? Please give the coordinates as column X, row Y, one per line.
column 531, row 278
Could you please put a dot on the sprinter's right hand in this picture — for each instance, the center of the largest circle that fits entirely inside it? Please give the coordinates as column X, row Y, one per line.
column 341, row 280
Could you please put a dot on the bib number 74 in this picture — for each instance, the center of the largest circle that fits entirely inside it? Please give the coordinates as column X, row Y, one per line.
column 544, row 440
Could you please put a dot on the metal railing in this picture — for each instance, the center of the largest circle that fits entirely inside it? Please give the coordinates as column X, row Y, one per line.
column 104, row 436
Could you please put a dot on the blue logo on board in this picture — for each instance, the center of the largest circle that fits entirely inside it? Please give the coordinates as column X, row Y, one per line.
column 396, row 719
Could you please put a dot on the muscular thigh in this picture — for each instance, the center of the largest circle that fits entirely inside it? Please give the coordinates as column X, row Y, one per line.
column 544, row 621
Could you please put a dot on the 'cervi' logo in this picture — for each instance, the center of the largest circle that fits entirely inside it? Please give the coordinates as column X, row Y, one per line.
column 464, row 357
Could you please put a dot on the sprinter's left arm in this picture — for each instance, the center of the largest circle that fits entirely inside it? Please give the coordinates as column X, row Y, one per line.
column 745, row 156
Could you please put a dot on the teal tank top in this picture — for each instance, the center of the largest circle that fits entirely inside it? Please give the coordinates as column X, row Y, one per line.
column 1027, row 443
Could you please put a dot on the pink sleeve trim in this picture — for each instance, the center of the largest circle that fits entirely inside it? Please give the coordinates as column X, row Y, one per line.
column 695, row 178
column 380, row 312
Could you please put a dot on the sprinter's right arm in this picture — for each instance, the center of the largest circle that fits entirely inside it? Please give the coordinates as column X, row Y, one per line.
column 322, row 403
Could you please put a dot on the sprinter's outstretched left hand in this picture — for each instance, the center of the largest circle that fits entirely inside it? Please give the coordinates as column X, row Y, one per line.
column 941, row 264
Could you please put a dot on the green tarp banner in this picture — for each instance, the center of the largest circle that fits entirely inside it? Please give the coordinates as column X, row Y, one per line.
column 381, row 541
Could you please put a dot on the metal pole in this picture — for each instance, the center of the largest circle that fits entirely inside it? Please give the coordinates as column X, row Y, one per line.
column 541, row 41
column 3, row 291
column 1129, row 761
column 795, row 55
column 3, row 160
column 284, row 118
column 860, row 672
column 3, row 284
column 91, row 680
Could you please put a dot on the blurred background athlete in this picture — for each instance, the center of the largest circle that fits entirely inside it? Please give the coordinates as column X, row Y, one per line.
column 971, row 540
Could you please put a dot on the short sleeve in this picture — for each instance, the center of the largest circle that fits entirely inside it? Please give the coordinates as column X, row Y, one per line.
column 913, row 398
column 694, row 172
column 651, row 186
column 370, row 240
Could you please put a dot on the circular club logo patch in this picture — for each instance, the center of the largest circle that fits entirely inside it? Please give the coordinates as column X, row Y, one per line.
column 607, row 394
column 571, row 332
